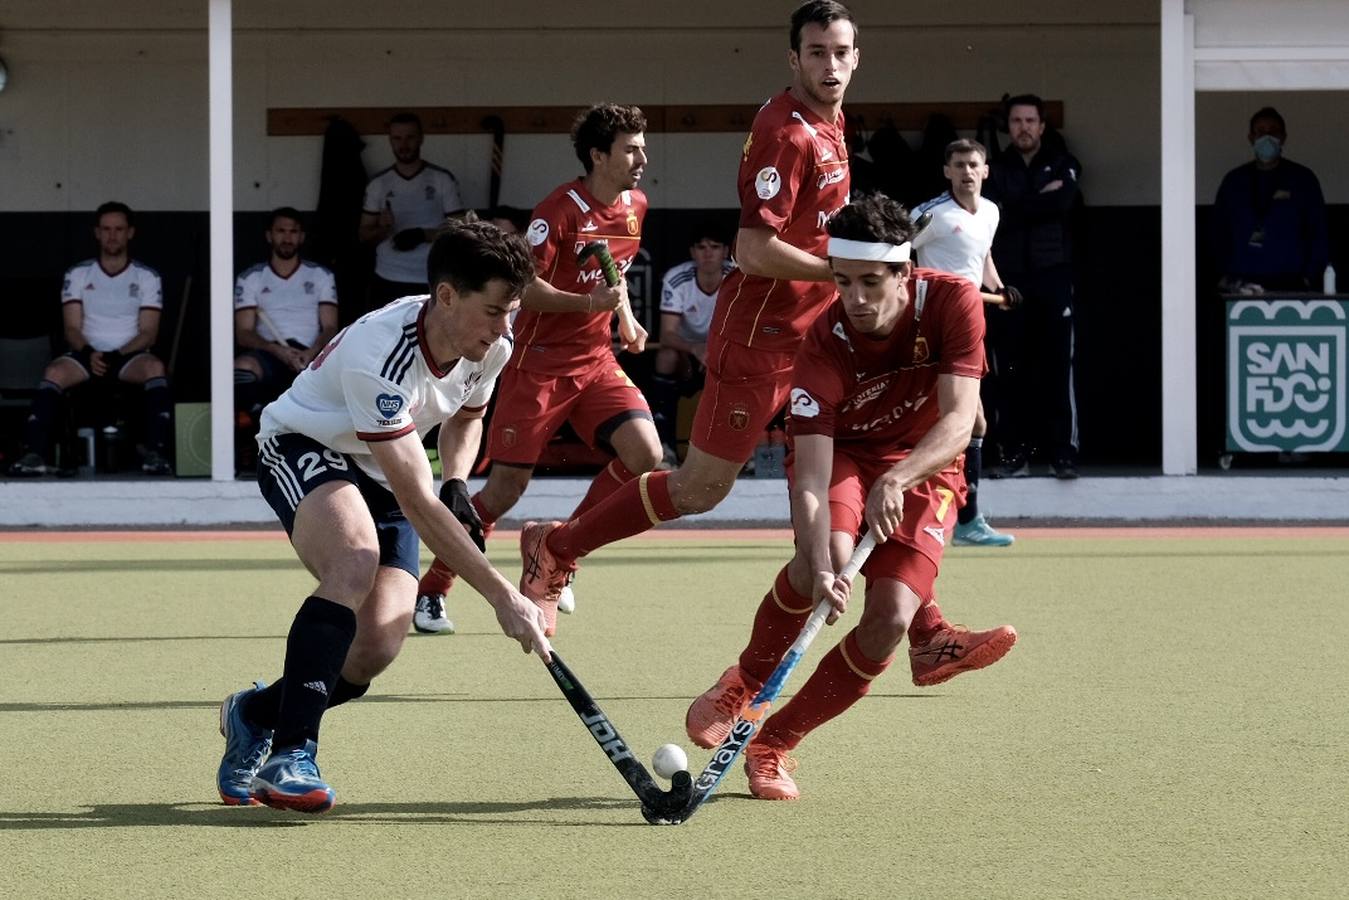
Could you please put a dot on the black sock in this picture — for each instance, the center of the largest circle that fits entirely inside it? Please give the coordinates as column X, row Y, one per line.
column 263, row 708
column 46, row 403
column 974, row 462
column 158, row 410
column 315, row 650
column 246, row 392
column 665, row 407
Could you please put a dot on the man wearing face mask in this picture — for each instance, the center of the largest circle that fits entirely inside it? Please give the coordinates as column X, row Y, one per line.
column 1271, row 218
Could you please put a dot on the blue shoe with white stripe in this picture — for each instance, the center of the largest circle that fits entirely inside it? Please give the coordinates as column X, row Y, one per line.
column 978, row 533
column 245, row 749
column 290, row 780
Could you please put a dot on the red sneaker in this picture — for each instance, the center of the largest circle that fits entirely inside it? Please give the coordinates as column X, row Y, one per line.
column 543, row 575
column 712, row 714
column 769, row 770
column 955, row 649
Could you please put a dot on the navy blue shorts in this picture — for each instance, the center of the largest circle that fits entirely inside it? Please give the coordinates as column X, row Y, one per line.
column 290, row 466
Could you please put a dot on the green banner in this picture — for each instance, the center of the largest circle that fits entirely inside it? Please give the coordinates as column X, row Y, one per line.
column 1286, row 375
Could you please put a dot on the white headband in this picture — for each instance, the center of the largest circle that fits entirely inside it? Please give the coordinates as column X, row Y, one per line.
column 871, row 252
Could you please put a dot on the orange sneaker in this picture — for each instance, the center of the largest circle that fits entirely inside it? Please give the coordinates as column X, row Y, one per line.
column 712, row 714
column 543, row 575
column 955, row 649
column 770, row 772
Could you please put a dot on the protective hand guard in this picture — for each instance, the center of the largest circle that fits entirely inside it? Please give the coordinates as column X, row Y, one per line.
column 409, row 239
column 454, row 494
column 1011, row 297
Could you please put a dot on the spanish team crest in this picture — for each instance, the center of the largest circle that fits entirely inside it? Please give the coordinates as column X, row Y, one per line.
column 739, row 417
column 920, row 350
column 509, row 436
column 1287, row 376
column 633, row 225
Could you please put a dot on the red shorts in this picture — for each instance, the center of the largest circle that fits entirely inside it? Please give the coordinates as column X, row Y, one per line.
column 744, row 390
column 532, row 406
column 913, row 553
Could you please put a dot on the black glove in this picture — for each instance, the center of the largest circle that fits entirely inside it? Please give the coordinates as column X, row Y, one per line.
column 1011, row 297
column 454, row 494
column 409, row 239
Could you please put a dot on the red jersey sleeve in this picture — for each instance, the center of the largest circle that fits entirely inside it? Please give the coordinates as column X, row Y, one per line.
column 772, row 169
column 817, row 385
column 962, row 330
column 545, row 234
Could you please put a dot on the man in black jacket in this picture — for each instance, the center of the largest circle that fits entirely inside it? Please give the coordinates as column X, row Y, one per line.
column 1035, row 183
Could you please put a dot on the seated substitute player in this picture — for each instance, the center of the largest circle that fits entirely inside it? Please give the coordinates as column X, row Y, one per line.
column 563, row 367
column 959, row 240
column 111, row 307
column 884, row 393
column 687, row 299
column 341, row 462
column 285, row 310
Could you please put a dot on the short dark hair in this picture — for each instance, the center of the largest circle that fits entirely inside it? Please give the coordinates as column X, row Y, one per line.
column 114, row 206
column 285, row 212
column 965, row 145
column 596, row 127
column 706, row 230
column 1268, row 112
column 873, row 218
column 1026, row 100
column 406, row 117
column 467, row 255
column 822, row 13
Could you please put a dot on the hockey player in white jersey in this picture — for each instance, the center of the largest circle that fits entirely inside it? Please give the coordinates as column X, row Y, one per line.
column 959, row 239
column 341, row 462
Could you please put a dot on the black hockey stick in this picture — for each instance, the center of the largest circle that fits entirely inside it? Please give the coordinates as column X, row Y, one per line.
column 658, row 806
column 747, row 725
column 497, row 127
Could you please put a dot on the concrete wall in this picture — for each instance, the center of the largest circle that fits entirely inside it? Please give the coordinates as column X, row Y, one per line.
column 111, row 102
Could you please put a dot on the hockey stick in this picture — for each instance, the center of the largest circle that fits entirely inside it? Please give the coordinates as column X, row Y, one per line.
column 627, row 325
column 497, row 127
column 748, row 724
column 657, row 805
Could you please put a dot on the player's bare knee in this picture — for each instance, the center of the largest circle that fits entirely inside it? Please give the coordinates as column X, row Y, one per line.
column 698, row 494
column 505, row 486
column 667, row 361
column 64, row 374
column 878, row 634
column 640, row 458
column 349, row 576
column 980, row 423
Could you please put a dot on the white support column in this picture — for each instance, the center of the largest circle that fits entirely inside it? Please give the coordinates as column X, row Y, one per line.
column 220, row 33
column 1179, row 406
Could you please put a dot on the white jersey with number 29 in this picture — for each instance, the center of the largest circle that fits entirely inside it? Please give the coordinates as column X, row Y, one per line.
column 375, row 382
column 956, row 240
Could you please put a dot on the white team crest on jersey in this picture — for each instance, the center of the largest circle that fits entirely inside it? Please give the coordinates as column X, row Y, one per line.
column 538, row 232
column 767, row 183
column 803, row 405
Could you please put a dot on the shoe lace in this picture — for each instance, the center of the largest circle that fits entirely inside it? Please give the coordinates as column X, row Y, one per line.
column 435, row 606
column 771, row 763
column 730, row 701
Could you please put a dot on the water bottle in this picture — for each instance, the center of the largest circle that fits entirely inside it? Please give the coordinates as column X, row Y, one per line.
column 86, row 468
column 111, row 447
column 1328, row 281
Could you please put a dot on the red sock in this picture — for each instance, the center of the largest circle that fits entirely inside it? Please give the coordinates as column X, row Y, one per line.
column 926, row 622
column 613, row 477
column 634, row 507
column 842, row 678
column 781, row 614
column 439, row 577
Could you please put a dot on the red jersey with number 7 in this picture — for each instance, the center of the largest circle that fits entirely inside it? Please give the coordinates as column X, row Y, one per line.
column 793, row 177
column 881, row 393
column 565, row 343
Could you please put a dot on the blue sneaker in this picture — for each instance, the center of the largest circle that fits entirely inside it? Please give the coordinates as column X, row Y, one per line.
column 290, row 780
column 245, row 749
column 978, row 533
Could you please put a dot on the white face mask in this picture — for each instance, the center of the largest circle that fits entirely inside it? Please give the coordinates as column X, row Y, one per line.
column 1267, row 148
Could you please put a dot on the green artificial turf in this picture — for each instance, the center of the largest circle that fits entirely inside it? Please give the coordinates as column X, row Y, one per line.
column 1172, row 723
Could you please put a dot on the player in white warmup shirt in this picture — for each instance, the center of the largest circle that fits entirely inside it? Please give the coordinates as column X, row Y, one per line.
column 688, row 298
column 341, row 463
column 285, row 311
column 110, row 306
column 959, row 240
column 404, row 206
